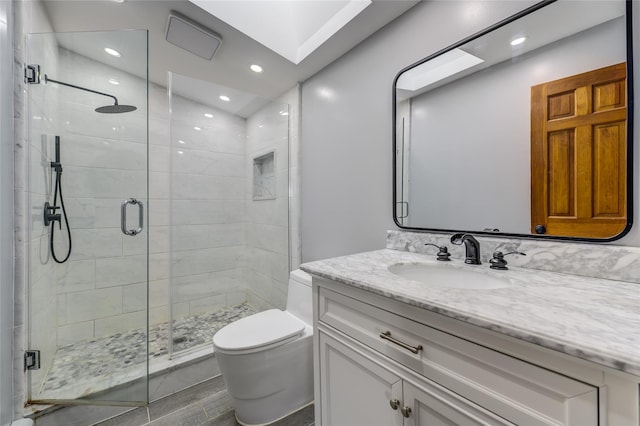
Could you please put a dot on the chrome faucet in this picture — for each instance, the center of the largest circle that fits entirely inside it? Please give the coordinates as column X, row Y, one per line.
column 471, row 245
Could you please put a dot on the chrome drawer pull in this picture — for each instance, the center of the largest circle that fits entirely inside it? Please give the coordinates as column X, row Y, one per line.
column 387, row 336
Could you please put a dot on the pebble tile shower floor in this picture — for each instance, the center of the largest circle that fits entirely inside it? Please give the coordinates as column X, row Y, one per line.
column 85, row 367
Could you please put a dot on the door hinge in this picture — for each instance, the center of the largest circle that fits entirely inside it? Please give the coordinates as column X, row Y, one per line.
column 31, row 360
column 32, row 74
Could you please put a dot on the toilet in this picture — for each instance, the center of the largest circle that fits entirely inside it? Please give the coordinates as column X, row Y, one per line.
column 266, row 359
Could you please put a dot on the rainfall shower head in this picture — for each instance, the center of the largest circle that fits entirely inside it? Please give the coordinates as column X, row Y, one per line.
column 115, row 109
column 108, row 109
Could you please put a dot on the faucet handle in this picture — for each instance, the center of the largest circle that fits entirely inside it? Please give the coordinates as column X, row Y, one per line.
column 498, row 262
column 457, row 238
column 443, row 252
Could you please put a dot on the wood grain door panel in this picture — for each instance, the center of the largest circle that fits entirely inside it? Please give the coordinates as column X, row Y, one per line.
column 578, row 154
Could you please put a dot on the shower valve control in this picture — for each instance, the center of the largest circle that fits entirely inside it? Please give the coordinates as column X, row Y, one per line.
column 50, row 215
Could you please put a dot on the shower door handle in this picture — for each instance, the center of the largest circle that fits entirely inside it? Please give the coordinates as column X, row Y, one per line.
column 123, row 217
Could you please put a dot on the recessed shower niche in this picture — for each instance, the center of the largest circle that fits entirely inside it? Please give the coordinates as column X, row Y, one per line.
column 264, row 176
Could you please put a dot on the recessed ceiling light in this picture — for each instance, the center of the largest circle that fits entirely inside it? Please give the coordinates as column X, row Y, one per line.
column 224, row 98
column 256, row 68
column 180, row 152
column 208, row 115
column 196, row 128
column 112, row 52
column 114, row 81
column 519, row 40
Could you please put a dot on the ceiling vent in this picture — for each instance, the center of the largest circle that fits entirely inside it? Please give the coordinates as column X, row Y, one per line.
column 191, row 36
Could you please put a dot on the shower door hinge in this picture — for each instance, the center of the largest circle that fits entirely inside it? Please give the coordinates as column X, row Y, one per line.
column 32, row 74
column 31, row 360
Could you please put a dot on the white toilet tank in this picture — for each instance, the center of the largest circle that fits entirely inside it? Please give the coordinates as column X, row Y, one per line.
column 299, row 299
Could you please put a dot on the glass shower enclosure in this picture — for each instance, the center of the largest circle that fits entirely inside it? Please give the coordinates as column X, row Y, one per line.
column 151, row 224
column 87, row 190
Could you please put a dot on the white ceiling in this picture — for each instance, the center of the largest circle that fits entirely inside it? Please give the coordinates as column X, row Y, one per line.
column 230, row 66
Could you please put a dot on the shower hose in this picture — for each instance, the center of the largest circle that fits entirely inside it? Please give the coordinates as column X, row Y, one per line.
column 58, row 189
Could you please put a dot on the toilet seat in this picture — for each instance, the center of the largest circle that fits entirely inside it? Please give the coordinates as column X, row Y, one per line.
column 258, row 332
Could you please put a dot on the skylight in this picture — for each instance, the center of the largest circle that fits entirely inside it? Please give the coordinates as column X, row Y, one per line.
column 291, row 28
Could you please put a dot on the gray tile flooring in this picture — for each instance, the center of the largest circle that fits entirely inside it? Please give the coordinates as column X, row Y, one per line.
column 205, row 404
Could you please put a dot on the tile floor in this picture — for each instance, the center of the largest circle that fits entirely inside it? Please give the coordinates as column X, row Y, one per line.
column 205, row 404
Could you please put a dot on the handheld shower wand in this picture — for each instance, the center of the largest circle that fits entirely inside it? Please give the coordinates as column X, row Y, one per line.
column 50, row 215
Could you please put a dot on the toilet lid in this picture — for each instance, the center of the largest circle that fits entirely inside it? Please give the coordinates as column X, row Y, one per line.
column 261, row 329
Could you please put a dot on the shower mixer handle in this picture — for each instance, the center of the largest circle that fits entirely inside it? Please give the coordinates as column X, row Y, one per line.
column 50, row 215
column 123, row 217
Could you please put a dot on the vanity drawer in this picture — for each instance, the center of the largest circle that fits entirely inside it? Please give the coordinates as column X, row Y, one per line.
column 514, row 389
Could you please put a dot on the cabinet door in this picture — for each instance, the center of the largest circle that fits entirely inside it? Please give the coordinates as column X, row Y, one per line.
column 435, row 406
column 354, row 390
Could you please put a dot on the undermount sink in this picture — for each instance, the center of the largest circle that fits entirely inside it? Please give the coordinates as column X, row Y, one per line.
column 446, row 276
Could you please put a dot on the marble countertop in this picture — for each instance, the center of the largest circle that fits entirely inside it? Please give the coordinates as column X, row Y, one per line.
column 593, row 319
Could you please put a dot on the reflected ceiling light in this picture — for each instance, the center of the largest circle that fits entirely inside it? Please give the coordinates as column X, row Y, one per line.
column 181, row 141
column 208, row 115
column 256, row 68
column 196, row 128
column 112, row 52
column 439, row 68
column 180, row 152
column 224, row 98
column 114, row 81
column 284, row 112
column 326, row 93
column 519, row 40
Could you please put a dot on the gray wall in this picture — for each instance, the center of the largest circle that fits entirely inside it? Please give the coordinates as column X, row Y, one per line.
column 347, row 125
column 6, row 205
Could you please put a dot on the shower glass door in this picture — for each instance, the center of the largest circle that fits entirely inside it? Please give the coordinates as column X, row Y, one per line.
column 229, row 209
column 87, row 198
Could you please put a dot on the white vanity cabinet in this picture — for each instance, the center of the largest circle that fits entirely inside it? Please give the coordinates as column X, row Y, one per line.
column 359, row 388
column 379, row 361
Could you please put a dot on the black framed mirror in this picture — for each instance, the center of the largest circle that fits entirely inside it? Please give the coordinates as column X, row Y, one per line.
column 524, row 129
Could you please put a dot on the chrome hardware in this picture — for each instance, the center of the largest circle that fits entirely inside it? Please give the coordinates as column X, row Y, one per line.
column 123, row 217
column 31, row 360
column 406, row 411
column 32, row 74
column 394, row 403
column 387, row 336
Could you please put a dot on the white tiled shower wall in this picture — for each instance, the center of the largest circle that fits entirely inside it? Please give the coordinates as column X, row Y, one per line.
column 207, row 207
column 268, row 219
column 104, row 161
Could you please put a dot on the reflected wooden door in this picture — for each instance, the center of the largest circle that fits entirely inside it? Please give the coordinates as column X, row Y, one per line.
column 578, row 154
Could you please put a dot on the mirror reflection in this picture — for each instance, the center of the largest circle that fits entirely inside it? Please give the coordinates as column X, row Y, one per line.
column 522, row 130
